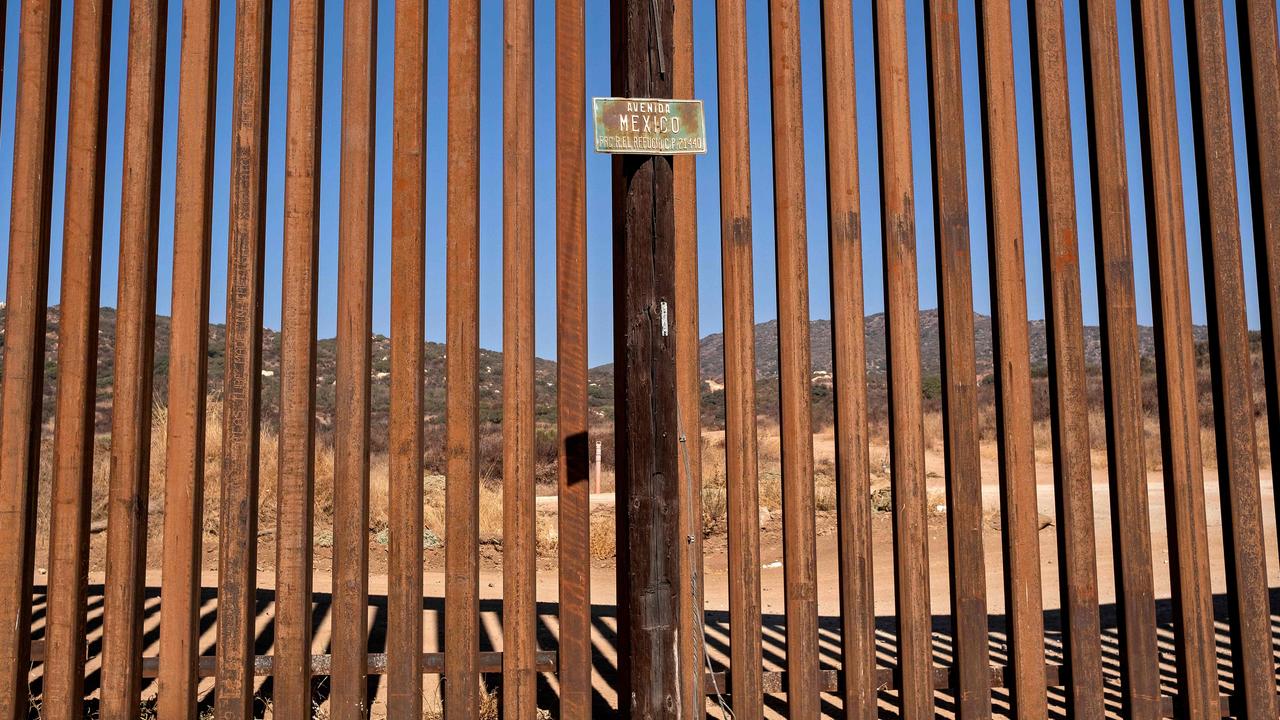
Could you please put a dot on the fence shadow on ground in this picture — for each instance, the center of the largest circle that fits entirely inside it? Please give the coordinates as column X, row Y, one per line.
column 604, row 639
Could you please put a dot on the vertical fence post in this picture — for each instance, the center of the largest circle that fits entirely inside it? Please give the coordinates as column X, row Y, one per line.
column 519, row 590
column 688, row 382
column 911, row 540
column 794, row 363
column 238, row 533
column 72, row 491
column 574, row 661
column 351, row 416
column 1018, row 497
column 1260, row 73
column 968, row 583
column 741, row 462
column 462, row 564
column 188, row 364
column 1252, row 654
column 1175, row 373
column 135, row 335
column 849, row 358
column 644, row 307
column 291, row 676
column 1123, row 384
column 25, row 293
column 408, row 270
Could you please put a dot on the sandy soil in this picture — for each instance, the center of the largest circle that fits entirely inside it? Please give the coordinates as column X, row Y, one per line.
column 772, row 577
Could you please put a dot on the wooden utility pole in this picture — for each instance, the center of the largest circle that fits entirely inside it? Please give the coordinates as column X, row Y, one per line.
column 647, row 423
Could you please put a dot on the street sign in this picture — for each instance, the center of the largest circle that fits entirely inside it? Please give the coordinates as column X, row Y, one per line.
column 649, row 126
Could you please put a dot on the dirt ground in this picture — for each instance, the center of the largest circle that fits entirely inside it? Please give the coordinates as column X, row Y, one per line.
column 603, row 593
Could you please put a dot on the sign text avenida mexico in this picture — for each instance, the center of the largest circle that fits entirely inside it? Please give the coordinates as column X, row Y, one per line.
column 649, row 126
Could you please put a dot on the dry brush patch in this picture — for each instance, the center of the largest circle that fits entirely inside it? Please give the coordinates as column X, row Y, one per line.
column 712, row 459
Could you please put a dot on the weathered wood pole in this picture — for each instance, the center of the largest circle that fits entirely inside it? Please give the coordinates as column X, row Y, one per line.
column 648, row 429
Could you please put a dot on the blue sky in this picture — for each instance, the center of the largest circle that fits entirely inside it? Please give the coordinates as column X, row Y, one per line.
column 598, row 167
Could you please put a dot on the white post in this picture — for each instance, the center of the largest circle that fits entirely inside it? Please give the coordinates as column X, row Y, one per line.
column 597, row 466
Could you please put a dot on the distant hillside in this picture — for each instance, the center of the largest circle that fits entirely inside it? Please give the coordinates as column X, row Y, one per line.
column 711, row 360
column 600, row 378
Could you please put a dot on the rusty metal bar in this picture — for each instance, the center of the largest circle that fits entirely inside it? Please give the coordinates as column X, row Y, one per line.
column 741, row 461
column 1253, row 664
column 135, row 333
column 25, row 321
column 72, row 489
column 408, row 318
column 1018, row 502
column 1130, row 524
column 291, row 678
column 188, row 364
column 968, row 583
column 853, row 481
column 1073, row 475
column 897, row 197
column 688, row 381
column 1121, row 373
column 571, row 367
column 519, row 577
column 1167, row 240
column 1260, row 83
column 238, row 511
column 462, row 580
column 355, row 324
column 794, row 366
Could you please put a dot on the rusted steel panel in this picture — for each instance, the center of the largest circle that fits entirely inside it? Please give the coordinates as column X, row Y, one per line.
column 1166, row 237
column 72, row 491
column 794, row 366
column 741, row 461
column 408, row 316
column 1253, row 663
column 238, row 530
column 519, row 590
column 960, row 377
column 853, row 481
column 1260, row 70
column 351, row 419
column 1018, row 503
column 135, row 333
column 911, row 540
column 688, row 383
column 25, row 295
column 291, row 679
column 188, row 364
column 1123, row 379
column 462, row 580
column 571, row 356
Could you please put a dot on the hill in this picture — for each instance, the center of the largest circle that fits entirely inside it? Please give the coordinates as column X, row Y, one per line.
column 600, row 378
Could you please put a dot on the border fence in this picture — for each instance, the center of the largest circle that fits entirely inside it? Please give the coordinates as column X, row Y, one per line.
column 1198, row 677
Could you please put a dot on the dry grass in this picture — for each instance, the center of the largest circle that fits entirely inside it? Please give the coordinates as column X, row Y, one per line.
column 714, row 498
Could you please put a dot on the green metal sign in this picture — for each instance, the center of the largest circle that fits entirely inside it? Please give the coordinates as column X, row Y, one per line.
column 649, row 126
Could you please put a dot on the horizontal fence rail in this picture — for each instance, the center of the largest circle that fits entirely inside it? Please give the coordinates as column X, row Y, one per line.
column 1161, row 441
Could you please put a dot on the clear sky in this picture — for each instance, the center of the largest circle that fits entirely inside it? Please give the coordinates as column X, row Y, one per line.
column 598, row 167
